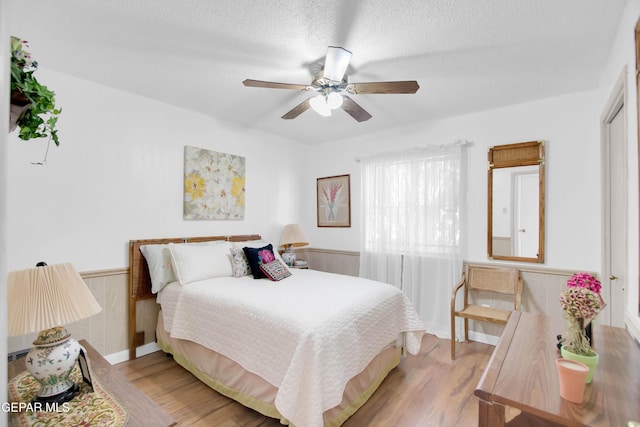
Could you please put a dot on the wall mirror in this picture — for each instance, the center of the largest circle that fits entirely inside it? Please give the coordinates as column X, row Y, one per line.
column 516, row 202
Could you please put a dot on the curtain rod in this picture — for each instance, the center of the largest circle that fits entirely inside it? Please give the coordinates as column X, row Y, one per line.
column 460, row 142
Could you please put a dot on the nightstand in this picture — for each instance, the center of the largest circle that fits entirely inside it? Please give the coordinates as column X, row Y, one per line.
column 142, row 411
column 304, row 266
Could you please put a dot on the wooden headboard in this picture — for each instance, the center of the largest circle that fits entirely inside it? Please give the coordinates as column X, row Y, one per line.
column 140, row 281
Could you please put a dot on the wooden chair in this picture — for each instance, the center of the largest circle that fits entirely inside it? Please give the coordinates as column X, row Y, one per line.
column 487, row 280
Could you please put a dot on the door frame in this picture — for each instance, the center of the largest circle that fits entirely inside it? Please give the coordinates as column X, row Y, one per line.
column 617, row 100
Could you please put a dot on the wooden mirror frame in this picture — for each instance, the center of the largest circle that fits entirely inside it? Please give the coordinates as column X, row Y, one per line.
column 513, row 155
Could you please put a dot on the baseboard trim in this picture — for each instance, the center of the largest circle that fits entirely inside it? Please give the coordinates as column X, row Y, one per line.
column 483, row 338
column 123, row 356
column 632, row 322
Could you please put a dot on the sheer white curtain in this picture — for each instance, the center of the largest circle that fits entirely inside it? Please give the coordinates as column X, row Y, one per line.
column 411, row 226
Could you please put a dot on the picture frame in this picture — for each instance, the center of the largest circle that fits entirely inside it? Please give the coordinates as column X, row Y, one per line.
column 333, row 197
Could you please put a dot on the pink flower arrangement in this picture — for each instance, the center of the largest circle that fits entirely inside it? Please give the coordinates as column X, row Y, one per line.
column 584, row 280
column 581, row 303
column 330, row 193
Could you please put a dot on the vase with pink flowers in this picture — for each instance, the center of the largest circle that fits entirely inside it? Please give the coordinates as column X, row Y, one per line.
column 581, row 302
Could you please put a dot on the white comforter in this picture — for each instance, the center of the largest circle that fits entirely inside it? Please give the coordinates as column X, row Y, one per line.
column 307, row 334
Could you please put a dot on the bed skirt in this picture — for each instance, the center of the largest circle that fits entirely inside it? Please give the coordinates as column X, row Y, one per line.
column 230, row 379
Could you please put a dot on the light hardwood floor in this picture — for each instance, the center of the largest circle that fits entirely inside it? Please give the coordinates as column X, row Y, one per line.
column 425, row 390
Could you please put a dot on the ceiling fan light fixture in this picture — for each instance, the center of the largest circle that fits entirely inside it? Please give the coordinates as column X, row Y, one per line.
column 320, row 106
column 334, row 100
column 332, row 90
column 336, row 63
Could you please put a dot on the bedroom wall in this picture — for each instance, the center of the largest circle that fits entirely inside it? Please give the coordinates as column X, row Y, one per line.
column 569, row 126
column 118, row 175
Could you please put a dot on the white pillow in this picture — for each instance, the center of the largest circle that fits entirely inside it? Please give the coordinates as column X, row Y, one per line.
column 159, row 261
column 198, row 262
column 258, row 244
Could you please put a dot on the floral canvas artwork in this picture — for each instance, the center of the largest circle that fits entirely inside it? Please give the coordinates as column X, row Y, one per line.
column 334, row 204
column 213, row 185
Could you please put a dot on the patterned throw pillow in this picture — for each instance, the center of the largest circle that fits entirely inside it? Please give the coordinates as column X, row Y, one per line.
column 275, row 270
column 239, row 263
column 257, row 257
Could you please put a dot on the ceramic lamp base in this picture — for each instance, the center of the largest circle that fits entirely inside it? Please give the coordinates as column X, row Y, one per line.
column 289, row 257
column 51, row 362
column 59, row 398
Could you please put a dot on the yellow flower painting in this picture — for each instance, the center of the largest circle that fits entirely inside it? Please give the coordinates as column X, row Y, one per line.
column 194, row 186
column 214, row 185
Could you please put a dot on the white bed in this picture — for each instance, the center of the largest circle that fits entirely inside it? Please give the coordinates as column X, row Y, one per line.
column 309, row 349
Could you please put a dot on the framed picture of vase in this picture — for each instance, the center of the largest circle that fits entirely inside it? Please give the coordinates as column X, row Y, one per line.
column 334, row 201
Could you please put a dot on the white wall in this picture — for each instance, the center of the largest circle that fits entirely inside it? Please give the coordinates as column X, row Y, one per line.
column 118, row 175
column 567, row 124
column 622, row 60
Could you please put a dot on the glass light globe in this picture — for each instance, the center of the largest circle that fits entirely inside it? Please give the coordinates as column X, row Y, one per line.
column 319, row 104
column 334, row 100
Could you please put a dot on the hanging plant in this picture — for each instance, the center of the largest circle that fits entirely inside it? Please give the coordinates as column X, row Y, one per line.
column 33, row 104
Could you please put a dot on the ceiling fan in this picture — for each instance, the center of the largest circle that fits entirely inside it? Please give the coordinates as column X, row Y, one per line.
column 332, row 89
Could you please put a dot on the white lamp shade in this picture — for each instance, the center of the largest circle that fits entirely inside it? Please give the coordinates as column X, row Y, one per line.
column 44, row 297
column 292, row 235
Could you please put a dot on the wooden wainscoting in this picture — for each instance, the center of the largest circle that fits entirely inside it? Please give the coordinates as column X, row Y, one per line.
column 330, row 260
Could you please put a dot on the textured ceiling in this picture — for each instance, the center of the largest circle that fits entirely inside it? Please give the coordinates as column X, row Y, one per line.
column 467, row 55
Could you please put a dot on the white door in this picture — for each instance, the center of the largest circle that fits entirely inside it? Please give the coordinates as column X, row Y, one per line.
column 615, row 278
column 525, row 211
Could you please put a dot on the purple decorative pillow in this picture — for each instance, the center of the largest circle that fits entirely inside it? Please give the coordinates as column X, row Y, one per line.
column 257, row 257
column 275, row 270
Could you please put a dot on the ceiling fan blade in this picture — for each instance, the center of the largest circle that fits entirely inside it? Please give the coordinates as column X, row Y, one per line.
column 336, row 63
column 409, row 86
column 354, row 110
column 274, row 85
column 297, row 110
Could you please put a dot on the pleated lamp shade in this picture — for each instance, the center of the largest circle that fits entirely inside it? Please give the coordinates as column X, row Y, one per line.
column 44, row 297
column 292, row 235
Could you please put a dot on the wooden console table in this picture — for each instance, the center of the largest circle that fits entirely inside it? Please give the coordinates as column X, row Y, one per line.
column 520, row 385
column 142, row 411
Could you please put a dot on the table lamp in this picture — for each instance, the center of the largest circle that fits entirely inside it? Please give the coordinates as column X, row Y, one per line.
column 292, row 236
column 40, row 300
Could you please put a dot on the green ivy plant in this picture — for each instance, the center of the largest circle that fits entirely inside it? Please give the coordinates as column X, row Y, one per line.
column 40, row 119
